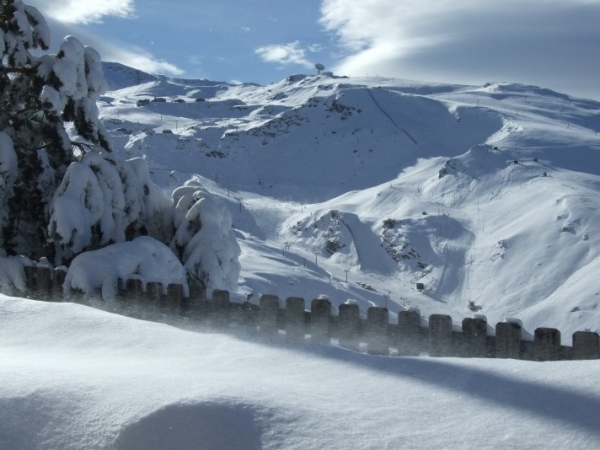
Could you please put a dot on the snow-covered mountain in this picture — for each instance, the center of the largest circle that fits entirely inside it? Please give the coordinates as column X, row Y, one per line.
column 353, row 189
column 360, row 188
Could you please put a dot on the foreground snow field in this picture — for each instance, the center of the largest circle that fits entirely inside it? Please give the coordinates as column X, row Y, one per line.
column 72, row 377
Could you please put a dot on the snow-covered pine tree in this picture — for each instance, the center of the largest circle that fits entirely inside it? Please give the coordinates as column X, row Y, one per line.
column 39, row 93
column 204, row 240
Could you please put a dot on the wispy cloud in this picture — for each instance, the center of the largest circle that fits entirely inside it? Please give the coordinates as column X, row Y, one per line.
column 81, row 11
column 137, row 58
column 195, row 60
column 284, row 54
column 468, row 40
column 112, row 51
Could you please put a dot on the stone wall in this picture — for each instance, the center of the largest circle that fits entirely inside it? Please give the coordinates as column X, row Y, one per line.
column 298, row 322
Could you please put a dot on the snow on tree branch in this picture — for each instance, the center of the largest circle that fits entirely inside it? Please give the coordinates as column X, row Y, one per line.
column 41, row 31
column 102, row 199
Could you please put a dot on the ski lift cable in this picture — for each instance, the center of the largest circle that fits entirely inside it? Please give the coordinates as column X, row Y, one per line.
column 390, row 117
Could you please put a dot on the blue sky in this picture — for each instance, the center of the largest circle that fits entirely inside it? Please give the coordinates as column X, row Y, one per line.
column 550, row 43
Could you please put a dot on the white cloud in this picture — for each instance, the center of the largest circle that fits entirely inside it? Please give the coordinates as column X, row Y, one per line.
column 465, row 41
column 284, row 54
column 84, row 11
column 362, row 23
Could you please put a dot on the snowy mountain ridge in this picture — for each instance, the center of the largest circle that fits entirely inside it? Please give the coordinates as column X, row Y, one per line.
column 360, row 188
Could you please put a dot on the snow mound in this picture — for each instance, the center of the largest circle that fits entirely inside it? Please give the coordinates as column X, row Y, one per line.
column 144, row 257
column 204, row 425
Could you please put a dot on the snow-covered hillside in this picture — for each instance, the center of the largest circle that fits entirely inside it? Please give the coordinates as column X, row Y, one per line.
column 361, row 188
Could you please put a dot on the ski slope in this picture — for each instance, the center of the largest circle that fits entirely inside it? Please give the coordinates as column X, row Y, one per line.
column 492, row 190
